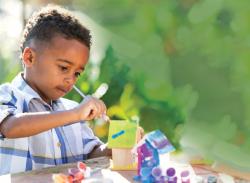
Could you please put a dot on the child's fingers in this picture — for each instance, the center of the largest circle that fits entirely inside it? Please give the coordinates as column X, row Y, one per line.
column 103, row 108
column 103, row 116
column 100, row 107
column 95, row 107
column 92, row 113
column 89, row 109
column 141, row 131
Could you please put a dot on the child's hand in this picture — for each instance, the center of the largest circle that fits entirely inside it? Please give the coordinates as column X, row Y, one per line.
column 90, row 108
column 140, row 134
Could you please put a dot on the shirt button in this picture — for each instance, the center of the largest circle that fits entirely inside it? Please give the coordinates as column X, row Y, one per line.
column 58, row 144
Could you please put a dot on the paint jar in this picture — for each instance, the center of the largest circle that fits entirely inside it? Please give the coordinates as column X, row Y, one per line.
column 145, row 174
column 171, row 178
column 185, row 177
column 211, row 179
column 157, row 174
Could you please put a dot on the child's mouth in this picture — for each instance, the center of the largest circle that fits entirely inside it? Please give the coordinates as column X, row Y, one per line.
column 63, row 90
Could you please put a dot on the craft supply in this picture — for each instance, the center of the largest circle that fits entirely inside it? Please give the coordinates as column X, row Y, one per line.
column 171, row 177
column 157, row 174
column 75, row 175
column 98, row 94
column 185, row 176
column 211, row 179
column 81, row 166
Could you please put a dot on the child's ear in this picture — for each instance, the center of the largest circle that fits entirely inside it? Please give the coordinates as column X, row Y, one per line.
column 28, row 57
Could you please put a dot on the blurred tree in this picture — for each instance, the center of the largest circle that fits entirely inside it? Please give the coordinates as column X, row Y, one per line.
column 187, row 61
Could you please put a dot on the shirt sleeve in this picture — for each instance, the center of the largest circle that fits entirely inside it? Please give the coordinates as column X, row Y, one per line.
column 8, row 103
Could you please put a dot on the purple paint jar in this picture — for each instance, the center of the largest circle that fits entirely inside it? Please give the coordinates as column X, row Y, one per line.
column 171, row 178
column 185, row 178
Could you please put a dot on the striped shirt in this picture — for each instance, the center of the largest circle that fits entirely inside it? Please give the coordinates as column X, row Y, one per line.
column 65, row 144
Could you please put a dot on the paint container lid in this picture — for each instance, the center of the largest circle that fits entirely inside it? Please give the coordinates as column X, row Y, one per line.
column 145, row 172
column 185, row 176
column 185, row 173
column 156, row 172
column 211, row 179
column 73, row 171
column 170, row 172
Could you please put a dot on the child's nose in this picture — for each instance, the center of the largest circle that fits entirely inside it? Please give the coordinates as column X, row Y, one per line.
column 71, row 80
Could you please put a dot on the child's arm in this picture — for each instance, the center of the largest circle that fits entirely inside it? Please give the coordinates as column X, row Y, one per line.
column 28, row 124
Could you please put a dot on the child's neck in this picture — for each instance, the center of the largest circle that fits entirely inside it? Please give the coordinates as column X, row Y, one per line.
column 49, row 102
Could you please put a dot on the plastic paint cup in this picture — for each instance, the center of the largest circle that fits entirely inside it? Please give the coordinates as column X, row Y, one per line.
column 145, row 172
column 156, row 172
column 170, row 172
column 211, row 179
column 185, row 176
column 171, row 175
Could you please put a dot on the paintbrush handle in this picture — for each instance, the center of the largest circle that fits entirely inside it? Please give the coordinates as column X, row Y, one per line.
column 101, row 90
column 79, row 91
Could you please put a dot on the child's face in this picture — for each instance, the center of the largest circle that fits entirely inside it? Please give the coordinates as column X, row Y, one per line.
column 55, row 66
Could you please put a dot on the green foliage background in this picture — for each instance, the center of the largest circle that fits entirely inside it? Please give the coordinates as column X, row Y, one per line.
column 181, row 66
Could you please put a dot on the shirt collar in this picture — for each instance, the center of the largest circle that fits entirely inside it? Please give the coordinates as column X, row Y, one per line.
column 19, row 83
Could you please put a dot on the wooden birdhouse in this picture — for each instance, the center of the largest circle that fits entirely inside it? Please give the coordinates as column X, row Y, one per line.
column 123, row 136
column 148, row 151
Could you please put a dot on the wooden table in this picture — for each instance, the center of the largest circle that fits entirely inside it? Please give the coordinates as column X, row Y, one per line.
column 103, row 163
column 45, row 175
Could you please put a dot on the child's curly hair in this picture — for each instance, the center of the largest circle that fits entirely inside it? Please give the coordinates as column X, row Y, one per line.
column 53, row 20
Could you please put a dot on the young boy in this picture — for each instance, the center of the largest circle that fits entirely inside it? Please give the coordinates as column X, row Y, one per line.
column 39, row 128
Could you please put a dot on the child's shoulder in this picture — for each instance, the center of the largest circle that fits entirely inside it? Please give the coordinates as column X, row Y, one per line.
column 8, row 92
column 6, row 89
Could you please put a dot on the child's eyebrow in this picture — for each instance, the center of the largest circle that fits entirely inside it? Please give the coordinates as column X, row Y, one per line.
column 68, row 62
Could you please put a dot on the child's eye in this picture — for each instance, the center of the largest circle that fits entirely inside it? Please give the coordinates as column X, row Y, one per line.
column 63, row 68
column 77, row 74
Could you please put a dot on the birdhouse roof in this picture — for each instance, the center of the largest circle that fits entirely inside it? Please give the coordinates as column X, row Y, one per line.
column 158, row 141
